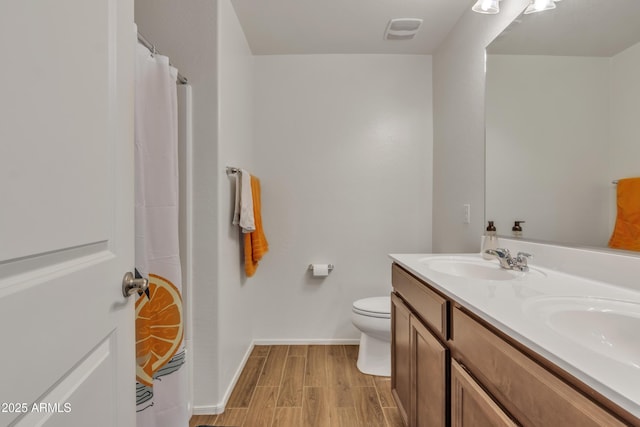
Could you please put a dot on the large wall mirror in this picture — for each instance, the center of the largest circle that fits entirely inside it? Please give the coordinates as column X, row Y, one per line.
column 563, row 120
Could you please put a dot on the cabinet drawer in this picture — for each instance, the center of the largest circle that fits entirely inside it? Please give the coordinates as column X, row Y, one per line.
column 430, row 306
column 532, row 394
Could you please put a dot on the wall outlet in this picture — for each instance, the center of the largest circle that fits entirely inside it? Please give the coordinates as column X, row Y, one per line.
column 467, row 213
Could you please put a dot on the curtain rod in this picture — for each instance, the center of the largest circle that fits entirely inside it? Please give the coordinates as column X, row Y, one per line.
column 146, row 43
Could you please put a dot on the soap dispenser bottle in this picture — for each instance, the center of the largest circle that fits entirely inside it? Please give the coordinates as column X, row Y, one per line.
column 516, row 229
column 490, row 240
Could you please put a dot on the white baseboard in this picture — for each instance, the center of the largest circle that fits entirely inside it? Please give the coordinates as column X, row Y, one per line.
column 219, row 408
column 208, row 410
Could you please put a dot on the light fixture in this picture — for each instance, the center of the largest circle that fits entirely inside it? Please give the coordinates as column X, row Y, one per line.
column 539, row 6
column 489, row 7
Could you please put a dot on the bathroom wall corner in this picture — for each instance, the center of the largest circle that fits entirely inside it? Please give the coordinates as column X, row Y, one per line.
column 458, row 137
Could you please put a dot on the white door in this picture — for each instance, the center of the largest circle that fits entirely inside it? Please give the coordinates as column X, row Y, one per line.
column 66, row 213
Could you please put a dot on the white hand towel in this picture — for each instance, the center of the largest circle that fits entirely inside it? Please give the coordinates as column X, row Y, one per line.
column 236, row 208
column 247, row 220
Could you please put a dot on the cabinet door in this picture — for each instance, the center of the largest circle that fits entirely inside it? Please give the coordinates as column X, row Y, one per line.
column 400, row 353
column 429, row 373
column 471, row 406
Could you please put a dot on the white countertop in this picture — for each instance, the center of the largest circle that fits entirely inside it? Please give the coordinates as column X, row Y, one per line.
column 504, row 304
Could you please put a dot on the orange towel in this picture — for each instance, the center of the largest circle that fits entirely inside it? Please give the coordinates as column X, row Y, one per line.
column 255, row 243
column 626, row 234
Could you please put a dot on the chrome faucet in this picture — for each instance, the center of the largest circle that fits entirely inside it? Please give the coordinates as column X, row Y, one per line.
column 508, row 262
column 503, row 255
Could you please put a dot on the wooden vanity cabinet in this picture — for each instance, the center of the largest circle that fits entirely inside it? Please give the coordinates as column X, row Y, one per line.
column 420, row 362
column 477, row 376
column 535, row 396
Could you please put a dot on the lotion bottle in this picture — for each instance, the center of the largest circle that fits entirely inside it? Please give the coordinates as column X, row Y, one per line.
column 516, row 229
column 490, row 240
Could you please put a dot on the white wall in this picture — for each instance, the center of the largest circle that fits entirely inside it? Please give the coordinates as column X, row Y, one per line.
column 343, row 149
column 342, row 145
column 235, row 133
column 547, row 141
column 205, row 40
column 458, row 138
column 625, row 113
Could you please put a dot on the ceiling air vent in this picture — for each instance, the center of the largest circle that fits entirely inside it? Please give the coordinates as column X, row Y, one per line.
column 402, row 28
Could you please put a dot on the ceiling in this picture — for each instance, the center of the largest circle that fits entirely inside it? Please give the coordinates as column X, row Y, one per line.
column 280, row 27
column 573, row 28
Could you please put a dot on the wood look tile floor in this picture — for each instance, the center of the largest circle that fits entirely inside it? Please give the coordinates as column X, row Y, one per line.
column 306, row 386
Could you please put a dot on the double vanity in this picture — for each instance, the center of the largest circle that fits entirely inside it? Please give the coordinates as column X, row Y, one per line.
column 474, row 344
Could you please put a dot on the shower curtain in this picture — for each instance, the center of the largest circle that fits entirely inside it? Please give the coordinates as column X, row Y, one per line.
column 161, row 377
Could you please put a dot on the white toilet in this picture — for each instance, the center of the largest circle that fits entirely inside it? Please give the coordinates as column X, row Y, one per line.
column 372, row 316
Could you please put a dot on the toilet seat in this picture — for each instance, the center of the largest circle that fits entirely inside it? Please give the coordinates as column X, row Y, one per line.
column 373, row 307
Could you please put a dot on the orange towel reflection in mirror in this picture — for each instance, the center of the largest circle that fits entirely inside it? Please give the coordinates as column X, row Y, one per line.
column 626, row 234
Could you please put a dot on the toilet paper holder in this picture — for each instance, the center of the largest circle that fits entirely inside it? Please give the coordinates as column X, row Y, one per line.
column 329, row 267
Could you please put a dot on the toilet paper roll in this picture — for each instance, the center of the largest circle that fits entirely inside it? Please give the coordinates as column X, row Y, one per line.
column 320, row 270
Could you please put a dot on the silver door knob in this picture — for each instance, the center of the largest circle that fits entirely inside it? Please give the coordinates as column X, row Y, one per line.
column 131, row 285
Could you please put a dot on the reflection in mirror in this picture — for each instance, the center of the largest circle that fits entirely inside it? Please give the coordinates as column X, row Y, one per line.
column 563, row 120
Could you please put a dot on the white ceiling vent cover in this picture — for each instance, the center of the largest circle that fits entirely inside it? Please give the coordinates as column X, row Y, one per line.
column 402, row 28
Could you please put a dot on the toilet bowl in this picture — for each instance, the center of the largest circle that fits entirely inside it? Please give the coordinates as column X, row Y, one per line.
column 372, row 316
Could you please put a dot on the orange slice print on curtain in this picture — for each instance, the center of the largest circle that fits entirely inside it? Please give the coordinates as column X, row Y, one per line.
column 159, row 327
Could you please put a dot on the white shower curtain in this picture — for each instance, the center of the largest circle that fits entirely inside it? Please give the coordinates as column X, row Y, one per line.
column 161, row 377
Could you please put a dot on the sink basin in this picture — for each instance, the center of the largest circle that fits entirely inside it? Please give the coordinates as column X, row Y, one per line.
column 607, row 326
column 470, row 268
